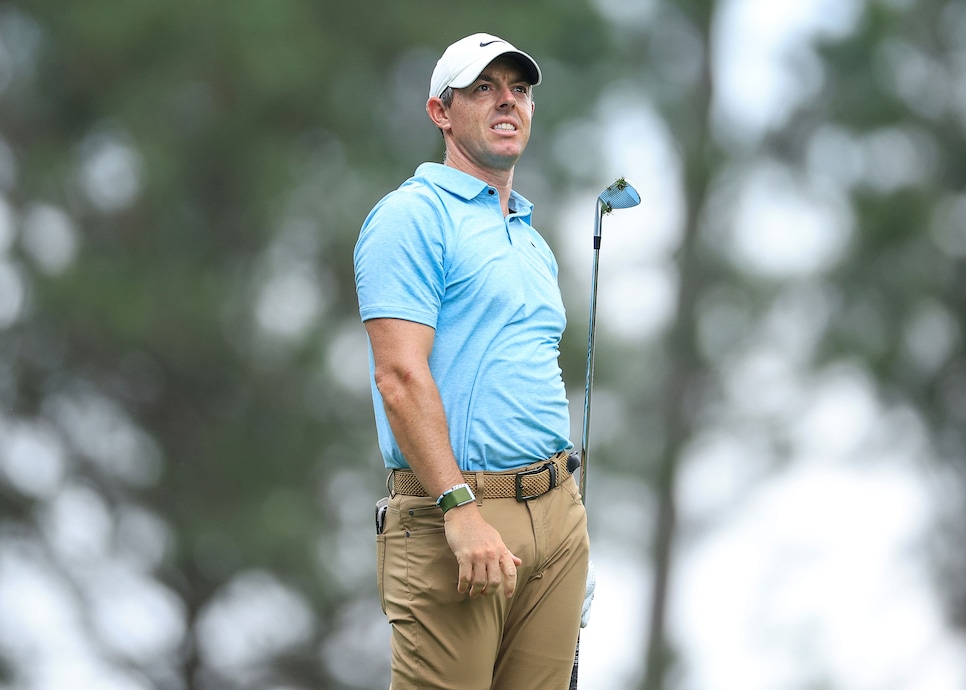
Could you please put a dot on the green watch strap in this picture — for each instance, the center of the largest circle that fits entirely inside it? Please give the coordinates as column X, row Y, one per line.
column 459, row 495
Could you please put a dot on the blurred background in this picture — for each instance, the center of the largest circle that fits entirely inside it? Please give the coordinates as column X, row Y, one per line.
column 188, row 462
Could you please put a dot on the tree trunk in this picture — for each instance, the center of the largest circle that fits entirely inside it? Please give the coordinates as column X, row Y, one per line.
column 686, row 367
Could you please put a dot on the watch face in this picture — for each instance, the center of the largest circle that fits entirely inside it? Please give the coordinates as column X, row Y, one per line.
column 457, row 496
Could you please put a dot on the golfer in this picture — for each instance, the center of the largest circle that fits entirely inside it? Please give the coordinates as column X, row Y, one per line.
column 483, row 552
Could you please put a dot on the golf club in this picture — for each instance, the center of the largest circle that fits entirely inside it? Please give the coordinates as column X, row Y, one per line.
column 619, row 195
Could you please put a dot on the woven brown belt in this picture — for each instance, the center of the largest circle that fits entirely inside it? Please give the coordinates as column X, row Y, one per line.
column 523, row 485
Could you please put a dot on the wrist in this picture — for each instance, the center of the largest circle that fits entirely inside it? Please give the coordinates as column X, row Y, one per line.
column 457, row 496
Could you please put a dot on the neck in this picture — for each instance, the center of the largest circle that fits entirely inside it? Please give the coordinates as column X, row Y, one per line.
column 500, row 180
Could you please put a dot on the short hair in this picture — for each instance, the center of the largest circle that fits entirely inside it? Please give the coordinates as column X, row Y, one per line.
column 447, row 96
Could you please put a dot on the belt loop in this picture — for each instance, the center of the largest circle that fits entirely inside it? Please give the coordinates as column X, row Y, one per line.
column 390, row 483
column 480, row 482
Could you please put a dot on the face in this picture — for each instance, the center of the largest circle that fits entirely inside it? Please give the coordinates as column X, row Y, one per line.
column 487, row 127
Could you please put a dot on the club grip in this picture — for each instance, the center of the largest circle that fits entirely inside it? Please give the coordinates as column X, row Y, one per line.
column 573, row 674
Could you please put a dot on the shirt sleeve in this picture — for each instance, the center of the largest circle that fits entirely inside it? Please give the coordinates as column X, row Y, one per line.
column 398, row 260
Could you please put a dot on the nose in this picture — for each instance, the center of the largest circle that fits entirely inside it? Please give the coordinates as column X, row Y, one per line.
column 507, row 99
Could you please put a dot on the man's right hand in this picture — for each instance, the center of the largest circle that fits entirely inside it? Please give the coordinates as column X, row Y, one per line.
column 485, row 562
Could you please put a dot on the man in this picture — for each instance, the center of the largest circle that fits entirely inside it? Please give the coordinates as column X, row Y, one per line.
column 483, row 554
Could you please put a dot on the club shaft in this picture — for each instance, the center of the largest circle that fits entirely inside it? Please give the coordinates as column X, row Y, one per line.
column 585, row 433
column 632, row 198
column 589, row 380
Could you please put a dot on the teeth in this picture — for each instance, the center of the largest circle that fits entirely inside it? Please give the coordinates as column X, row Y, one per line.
column 506, row 127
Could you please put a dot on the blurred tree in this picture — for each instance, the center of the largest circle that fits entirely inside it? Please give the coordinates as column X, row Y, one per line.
column 182, row 188
column 181, row 415
column 888, row 126
column 870, row 138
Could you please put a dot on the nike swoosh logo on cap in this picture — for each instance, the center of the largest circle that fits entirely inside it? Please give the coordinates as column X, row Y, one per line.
column 484, row 45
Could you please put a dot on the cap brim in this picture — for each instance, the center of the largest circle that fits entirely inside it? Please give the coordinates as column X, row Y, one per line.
column 470, row 73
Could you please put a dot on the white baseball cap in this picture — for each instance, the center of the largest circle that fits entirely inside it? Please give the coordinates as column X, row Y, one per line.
column 463, row 61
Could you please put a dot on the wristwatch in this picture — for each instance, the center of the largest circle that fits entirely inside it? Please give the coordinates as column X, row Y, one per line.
column 459, row 495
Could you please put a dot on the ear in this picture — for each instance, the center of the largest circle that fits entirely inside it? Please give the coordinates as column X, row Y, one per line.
column 437, row 113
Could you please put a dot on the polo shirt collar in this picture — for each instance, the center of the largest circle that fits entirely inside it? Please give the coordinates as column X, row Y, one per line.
column 466, row 186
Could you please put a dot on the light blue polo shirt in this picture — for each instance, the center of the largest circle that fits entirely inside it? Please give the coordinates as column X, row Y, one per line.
column 438, row 251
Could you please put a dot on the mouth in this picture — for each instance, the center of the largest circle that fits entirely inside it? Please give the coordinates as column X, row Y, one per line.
column 505, row 127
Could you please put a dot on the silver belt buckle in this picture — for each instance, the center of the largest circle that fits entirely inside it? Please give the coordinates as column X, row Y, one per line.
column 549, row 466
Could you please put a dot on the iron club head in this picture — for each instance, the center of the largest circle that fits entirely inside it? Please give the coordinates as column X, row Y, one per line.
column 621, row 194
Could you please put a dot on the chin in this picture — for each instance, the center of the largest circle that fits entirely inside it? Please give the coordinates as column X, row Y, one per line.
column 510, row 154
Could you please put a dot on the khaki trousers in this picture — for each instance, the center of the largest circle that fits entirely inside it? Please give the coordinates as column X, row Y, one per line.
column 443, row 640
